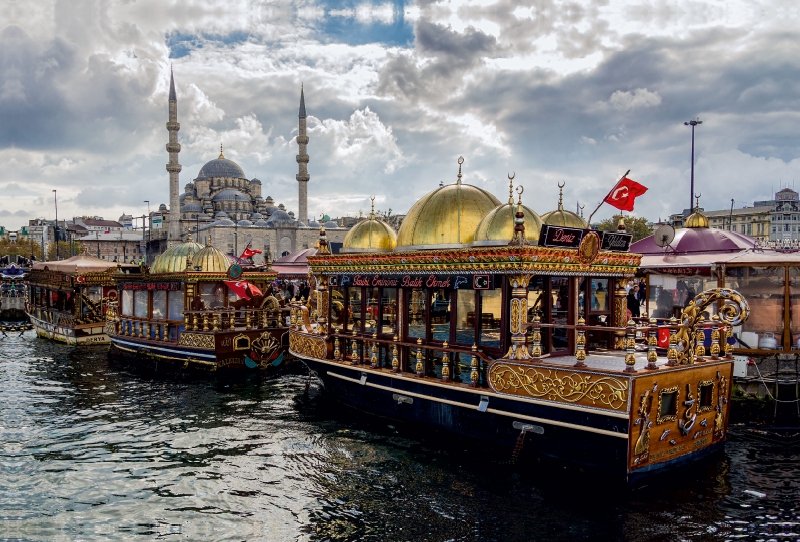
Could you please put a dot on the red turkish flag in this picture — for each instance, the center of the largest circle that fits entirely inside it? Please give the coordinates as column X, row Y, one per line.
column 243, row 289
column 624, row 193
column 249, row 253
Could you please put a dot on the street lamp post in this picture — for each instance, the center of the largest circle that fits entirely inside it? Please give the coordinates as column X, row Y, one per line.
column 692, row 123
column 730, row 217
column 55, row 200
column 149, row 232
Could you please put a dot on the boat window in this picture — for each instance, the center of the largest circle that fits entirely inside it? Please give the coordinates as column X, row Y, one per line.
column 667, row 405
column 389, row 311
column 373, row 300
column 559, row 312
column 175, row 306
column 440, row 314
column 212, row 295
column 491, row 309
column 354, row 309
column 669, row 294
column 338, row 314
column 159, row 305
column 705, row 396
column 140, row 303
column 465, row 317
column 127, row 303
column 95, row 293
column 763, row 289
column 416, row 314
column 794, row 305
column 599, row 292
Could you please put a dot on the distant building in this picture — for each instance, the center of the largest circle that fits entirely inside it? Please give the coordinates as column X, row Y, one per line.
column 775, row 220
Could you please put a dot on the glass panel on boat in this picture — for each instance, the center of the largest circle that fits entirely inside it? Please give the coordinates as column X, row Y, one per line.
column 416, row 313
column 763, row 287
column 140, row 303
column 373, row 308
column 669, row 294
column 354, row 309
column 213, row 295
column 175, row 306
column 127, row 303
column 159, row 305
column 465, row 317
column 559, row 312
column 667, row 405
column 389, row 311
column 599, row 295
column 491, row 309
column 794, row 305
column 440, row 314
column 95, row 293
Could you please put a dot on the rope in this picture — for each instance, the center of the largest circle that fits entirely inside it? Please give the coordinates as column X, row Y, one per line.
column 766, row 387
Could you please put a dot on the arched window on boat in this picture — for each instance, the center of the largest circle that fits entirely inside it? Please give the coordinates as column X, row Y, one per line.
column 127, row 303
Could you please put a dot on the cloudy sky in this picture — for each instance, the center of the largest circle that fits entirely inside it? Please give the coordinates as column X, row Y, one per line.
column 573, row 91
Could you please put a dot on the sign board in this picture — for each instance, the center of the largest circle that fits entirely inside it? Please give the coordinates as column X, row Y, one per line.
column 447, row 282
column 560, row 236
column 157, row 221
column 159, row 286
column 616, row 242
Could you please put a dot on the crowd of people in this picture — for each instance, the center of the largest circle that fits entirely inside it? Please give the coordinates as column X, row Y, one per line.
column 292, row 289
column 636, row 297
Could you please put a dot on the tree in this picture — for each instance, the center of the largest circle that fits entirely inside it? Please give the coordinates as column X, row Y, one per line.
column 639, row 226
column 63, row 250
column 20, row 247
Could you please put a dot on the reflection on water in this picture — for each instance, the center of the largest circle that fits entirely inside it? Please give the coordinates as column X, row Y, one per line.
column 93, row 453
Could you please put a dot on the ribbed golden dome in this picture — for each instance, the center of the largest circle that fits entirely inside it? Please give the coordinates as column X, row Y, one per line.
column 497, row 228
column 173, row 260
column 370, row 235
column 696, row 220
column 562, row 217
column 211, row 260
column 446, row 217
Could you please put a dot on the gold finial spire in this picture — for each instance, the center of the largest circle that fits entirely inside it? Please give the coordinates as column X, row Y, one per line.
column 582, row 206
column 511, row 187
column 372, row 212
column 209, row 240
column 220, row 152
column 697, row 201
column 520, row 190
column 460, row 161
column 561, row 195
column 519, row 221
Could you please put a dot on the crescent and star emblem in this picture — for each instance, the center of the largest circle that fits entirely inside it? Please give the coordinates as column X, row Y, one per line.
column 623, row 190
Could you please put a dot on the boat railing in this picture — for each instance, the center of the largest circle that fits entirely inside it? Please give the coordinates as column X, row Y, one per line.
column 231, row 318
column 159, row 330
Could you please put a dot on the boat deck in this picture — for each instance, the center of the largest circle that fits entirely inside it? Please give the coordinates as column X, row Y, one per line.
column 604, row 361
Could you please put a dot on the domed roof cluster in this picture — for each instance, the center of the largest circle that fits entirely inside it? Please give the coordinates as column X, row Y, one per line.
column 497, row 227
column 230, row 194
column 370, row 235
column 562, row 217
column 191, row 255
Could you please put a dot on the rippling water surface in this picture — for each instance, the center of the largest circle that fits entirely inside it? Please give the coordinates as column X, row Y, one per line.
column 91, row 452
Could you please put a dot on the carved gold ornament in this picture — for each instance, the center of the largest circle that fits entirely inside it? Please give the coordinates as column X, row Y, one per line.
column 733, row 311
column 589, row 249
column 307, row 345
column 586, row 389
column 197, row 340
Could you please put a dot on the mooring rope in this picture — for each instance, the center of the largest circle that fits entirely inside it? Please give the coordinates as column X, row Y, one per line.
column 766, row 387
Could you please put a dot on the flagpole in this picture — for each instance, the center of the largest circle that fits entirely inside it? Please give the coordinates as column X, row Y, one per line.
column 589, row 222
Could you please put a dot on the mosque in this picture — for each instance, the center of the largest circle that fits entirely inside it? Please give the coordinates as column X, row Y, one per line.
column 222, row 205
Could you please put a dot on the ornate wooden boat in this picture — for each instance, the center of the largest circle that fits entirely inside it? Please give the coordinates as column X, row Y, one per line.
column 464, row 324
column 68, row 299
column 194, row 309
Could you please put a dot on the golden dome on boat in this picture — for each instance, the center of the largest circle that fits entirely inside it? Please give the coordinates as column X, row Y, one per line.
column 210, row 259
column 446, row 217
column 562, row 217
column 173, row 260
column 370, row 235
column 697, row 219
column 497, row 227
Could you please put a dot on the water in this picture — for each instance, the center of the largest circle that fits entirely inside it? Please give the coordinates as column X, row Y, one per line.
column 91, row 452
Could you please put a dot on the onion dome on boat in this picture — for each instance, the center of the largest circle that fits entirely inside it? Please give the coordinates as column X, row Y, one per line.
column 697, row 219
column 562, row 217
column 370, row 235
column 173, row 260
column 497, row 227
column 446, row 217
column 210, row 259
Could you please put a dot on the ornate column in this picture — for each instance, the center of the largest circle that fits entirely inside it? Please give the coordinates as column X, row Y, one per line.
column 322, row 304
column 518, row 316
column 620, row 315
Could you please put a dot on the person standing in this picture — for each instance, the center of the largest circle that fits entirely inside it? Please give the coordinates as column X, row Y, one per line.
column 633, row 302
column 642, row 291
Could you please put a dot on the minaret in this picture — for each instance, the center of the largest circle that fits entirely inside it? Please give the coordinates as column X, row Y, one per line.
column 302, row 163
column 173, row 148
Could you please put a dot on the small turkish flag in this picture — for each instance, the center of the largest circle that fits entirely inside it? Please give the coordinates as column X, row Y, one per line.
column 624, row 193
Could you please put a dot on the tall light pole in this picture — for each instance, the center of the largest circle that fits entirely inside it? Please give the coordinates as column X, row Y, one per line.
column 692, row 123
column 55, row 200
column 149, row 230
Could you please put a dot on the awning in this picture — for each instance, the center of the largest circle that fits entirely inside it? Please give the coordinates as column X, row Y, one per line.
column 684, row 264
column 243, row 289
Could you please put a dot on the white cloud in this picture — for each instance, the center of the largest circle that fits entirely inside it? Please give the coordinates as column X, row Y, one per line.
column 641, row 97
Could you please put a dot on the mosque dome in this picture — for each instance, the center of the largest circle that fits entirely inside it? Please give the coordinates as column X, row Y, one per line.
column 173, row 260
column 224, row 222
column 271, row 209
column 256, row 216
column 260, row 223
column 230, row 194
column 189, row 187
column 162, row 207
column 562, row 217
column 244, row 222
column 279, row 216
column 370, row 235
column 497, row 227
column 255, row 181
column 446, row 217
column 211, row 260
column 313, row 224
column 221, row 214
column 221, row 167
column 331, row 224
column 191, row 208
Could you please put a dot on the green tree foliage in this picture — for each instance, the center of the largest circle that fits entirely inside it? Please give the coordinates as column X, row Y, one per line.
column 64, row 250
column 638, row 226
column 21, row 247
